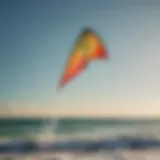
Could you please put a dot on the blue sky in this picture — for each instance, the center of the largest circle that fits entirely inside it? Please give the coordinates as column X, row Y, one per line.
column 37, row 36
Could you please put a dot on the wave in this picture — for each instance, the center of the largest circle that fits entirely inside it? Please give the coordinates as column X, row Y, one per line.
column 47, row 134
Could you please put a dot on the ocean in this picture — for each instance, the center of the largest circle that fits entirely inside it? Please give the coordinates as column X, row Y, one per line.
column 11, row 128
column 37, row 129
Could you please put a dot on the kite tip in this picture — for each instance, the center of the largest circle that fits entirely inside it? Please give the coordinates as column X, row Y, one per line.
column 87, row 29
column 59, row 87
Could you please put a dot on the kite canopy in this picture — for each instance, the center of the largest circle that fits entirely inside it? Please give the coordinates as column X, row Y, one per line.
column 88, row 47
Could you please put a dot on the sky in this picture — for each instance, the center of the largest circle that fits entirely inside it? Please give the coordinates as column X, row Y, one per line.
column 37, row 37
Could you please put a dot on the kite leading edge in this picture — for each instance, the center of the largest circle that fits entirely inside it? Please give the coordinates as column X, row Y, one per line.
column 88, row 47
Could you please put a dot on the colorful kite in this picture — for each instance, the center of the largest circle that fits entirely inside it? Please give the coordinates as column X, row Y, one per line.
column 88, row 47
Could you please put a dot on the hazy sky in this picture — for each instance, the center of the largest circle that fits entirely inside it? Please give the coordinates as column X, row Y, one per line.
column 37, row 36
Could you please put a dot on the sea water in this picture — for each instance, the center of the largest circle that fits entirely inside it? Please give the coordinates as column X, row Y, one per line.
column 12, row 128
column 37, row 129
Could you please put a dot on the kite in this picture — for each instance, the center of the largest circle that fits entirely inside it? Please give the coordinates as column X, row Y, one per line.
column 88, row 47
